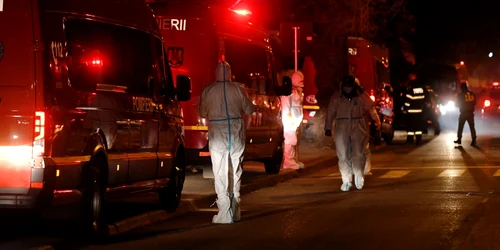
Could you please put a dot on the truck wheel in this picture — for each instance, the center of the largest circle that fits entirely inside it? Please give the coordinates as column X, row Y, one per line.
column 273, row 164
column 170, row 196
column 92, row 201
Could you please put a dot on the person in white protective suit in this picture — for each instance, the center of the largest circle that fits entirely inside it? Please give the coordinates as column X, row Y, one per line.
column 372, row 113
column 223, row 103
column 292, row 114
column 347, row 108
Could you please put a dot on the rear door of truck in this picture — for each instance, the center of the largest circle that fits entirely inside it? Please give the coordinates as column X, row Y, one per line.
column 18, row 122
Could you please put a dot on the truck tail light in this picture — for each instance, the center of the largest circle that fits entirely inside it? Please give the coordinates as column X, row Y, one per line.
column 39, row 135
column 487, row 103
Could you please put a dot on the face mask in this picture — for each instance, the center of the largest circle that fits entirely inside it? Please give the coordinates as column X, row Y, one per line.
column 347, row 89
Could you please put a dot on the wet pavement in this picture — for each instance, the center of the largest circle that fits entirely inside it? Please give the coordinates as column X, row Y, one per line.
column 433, row 196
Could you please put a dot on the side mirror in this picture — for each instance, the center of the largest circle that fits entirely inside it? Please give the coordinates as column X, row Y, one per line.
column 286, row 86
column 183, row 90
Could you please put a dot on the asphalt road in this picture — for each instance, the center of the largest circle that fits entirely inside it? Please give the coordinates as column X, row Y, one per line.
column 435, row 196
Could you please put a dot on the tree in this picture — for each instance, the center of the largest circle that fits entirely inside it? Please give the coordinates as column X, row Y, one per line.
column 334, row 21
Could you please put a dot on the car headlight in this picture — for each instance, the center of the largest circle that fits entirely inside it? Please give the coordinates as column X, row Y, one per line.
column 450, row 106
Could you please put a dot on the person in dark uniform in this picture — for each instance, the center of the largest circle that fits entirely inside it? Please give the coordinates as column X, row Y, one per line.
column 466, row 101
column 415, row 103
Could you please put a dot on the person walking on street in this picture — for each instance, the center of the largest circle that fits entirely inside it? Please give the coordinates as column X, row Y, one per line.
column 223, row 102
column 292, row 115
column 347, row 108
column 466, row 101
column 369, row 117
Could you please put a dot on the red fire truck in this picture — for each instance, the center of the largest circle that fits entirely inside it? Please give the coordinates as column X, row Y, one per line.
column 88, row 106
column 369, row 63
column 197, row 36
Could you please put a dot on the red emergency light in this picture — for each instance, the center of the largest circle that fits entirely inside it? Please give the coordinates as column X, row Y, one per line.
column 495, row 84
column 242, row 12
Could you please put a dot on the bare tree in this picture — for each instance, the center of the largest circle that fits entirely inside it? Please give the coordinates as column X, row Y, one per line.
column 335, row 21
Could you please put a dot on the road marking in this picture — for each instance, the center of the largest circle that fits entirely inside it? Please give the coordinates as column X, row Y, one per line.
column 394, row 174
column 452, row 173
column 497, row 173
column 485, row 200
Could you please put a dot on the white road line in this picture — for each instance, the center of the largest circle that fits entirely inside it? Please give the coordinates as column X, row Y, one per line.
column 497, row 173
column 452, row 173
column 394, row 174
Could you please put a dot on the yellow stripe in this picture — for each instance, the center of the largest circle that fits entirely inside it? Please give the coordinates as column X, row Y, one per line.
column 205, row 128
column 314, row 107
column 196, row 128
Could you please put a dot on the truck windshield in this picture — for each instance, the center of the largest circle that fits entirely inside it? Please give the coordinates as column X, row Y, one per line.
column 100, row 53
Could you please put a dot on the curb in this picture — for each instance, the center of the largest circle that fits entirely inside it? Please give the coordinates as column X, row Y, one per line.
column 146, row 219
column 48, row 247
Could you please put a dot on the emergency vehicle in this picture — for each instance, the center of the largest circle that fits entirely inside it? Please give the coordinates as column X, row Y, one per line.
column 88, row 107
column 369, row 63
column 198, row 36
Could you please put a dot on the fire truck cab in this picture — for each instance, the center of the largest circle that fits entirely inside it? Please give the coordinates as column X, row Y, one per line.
column 197, row 38
column 88, row 106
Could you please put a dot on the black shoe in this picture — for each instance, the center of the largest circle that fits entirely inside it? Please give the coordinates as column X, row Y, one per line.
column 473, row 143
column 459, row 141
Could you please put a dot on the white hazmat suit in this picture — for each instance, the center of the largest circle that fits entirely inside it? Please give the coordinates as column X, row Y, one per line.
column 373, row 113
column 292, row 114
column 223, row 103
column 351, row 134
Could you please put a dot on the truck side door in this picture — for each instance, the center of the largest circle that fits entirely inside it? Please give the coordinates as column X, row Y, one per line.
column 169, row 124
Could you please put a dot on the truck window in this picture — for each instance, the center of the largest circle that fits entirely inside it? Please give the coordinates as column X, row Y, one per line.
column 163, row 72
column 100, row 53
column 249, row 65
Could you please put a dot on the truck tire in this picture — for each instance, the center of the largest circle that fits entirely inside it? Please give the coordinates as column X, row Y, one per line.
column 170, row 196
column 92, row 201
column 273, row 164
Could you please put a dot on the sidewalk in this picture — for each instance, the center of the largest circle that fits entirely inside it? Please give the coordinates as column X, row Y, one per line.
column 255, row 176
column 485, row 231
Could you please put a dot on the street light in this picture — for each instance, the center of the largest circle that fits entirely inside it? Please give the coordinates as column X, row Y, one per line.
column 490, row 55
column 462, row 63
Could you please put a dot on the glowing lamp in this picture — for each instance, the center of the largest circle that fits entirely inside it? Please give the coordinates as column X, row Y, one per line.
column 242, row 12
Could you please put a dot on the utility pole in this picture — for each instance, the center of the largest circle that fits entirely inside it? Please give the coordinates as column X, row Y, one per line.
column 296, row 50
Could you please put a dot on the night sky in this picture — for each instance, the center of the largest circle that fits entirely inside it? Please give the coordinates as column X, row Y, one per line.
column 444, row 24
